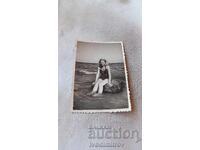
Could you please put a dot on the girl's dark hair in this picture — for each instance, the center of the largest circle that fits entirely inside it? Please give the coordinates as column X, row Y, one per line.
column 100, row 65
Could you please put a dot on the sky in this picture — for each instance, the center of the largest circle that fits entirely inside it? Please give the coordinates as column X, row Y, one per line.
column 92, row 52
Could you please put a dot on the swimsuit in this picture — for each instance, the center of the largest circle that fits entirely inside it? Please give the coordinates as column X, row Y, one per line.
column 104, row 74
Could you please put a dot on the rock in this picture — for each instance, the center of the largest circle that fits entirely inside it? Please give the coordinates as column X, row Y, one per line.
column 116, row 88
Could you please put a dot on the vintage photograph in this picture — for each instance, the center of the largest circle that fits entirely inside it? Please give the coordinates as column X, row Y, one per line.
column 101, row 78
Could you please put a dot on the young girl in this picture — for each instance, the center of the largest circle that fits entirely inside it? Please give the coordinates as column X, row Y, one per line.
column 103, row 77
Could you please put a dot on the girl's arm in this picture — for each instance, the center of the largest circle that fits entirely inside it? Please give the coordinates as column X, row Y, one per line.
column 97, row 76
column 110, row 77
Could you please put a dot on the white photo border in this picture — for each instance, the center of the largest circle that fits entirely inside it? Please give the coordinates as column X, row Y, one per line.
column 129, row 108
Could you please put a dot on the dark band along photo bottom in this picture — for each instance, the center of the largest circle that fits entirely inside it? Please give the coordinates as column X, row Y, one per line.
column 100, row 79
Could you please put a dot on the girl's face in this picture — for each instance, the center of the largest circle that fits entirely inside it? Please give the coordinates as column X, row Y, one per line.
column 103, row 62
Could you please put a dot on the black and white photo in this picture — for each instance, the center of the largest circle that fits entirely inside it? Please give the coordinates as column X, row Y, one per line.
column 100, row 79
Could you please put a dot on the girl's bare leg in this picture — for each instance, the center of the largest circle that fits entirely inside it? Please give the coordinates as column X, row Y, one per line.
column 101, row 85
column 96, row 86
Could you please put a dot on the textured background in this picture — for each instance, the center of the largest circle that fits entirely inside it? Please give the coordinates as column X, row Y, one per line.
column 98, row 20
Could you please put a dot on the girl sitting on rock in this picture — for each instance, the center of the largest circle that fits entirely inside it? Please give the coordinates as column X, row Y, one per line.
column 103, row 77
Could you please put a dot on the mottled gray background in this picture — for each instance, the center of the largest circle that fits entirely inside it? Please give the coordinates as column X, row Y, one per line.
column 98, row 20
